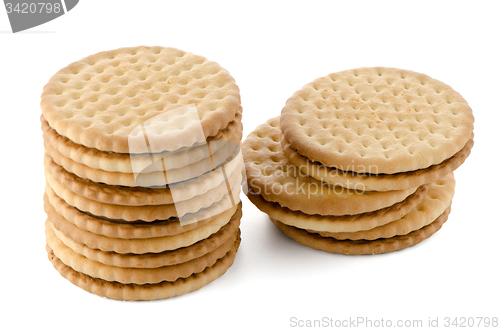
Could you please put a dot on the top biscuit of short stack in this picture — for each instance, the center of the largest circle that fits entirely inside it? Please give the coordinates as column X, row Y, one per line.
column 377, row 120
column 99, row 100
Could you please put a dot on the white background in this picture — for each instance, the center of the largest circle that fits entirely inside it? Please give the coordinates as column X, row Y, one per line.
column 271, row 49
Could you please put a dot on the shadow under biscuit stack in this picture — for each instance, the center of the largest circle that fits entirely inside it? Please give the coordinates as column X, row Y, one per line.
column 361, row 161
column 143, row 172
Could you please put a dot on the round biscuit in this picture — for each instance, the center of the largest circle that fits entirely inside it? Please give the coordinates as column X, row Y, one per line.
column 362, row 247
column 127, row 275
column 163, row 290
column 434, row 203
column 99, row 100
column 377, row 120
column 122, row 162
column 141, row 245
column 193, row 206
column 71, row 221
column 138, row 196
column 223, row 157
column 376, row 182
column 345, row 223
column 271, row 174
column 227, row 234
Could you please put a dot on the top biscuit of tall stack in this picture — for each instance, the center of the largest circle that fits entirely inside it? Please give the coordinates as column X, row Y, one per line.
column 377, row 120
column 99, row 100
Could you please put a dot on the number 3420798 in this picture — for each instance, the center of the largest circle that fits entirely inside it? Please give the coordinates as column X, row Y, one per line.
column 33, row 8
column 471, row 322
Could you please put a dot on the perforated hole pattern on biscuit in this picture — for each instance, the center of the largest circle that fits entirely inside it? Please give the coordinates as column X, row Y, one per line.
column 109, row 93
column 382, row 115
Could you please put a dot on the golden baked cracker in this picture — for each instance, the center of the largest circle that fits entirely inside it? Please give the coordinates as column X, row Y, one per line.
column 139, row 213
column 121, row 162
column 163, row 290
column 222, row 157
column 379, row 182
column 362, row 247
column 98, row 101
column 271, row 174
column 140, row 245
column 377, row 120
column 131, row 275
column 225, row 236
column 123, row 230
column 137, row 196
column 345, row 223
column 435, row 202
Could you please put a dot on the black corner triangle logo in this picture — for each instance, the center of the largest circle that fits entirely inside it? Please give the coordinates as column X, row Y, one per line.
column 25, row 14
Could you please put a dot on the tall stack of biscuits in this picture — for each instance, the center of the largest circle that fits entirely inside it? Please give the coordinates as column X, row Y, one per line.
column 361, row 161
column 143, row 172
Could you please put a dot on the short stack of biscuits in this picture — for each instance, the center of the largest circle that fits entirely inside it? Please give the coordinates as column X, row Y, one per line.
column 361, row 161
column 143, row 172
